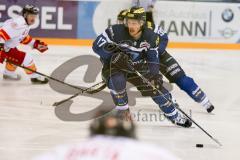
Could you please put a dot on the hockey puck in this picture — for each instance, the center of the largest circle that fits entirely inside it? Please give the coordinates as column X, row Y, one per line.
column 199, row 145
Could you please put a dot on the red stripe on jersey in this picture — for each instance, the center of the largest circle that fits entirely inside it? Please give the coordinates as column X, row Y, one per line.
column 26, row 40
column 4, row 35
column 1, row 36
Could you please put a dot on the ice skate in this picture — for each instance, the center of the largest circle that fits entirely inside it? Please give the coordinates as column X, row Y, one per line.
column 11, row 77
column 39, row 80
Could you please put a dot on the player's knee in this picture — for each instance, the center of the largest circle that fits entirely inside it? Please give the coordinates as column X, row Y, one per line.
column 28, row 60
column 147, row 91
column 117, row 85
column 173, row 71
column 10, row 67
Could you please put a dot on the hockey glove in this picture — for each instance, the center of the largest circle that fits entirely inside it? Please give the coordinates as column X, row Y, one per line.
column 40, row 46
column 2, row 53
column 120, row 61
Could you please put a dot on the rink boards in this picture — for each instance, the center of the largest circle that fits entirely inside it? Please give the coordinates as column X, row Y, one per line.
column 188, row 24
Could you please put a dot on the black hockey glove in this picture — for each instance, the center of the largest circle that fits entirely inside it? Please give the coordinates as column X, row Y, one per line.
column 119, row 57
column 120, row 60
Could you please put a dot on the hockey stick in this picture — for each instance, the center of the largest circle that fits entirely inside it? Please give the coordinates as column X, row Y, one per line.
column 169, row 100
column 150, row 84
column 89, row 90
column 138, row 3
column 100, row 86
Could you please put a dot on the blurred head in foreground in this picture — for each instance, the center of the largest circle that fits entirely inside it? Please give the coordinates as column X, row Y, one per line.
column 112, row 125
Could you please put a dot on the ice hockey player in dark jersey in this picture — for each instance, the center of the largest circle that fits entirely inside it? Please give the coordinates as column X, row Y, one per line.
column 140, row 45
column 171, row 69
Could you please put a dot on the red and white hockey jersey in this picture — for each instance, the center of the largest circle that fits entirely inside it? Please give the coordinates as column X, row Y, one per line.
column 109, row 148
column 15, row 31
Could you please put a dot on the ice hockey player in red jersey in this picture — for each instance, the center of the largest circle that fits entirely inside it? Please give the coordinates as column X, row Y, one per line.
column 110, row 138
column 14, row 32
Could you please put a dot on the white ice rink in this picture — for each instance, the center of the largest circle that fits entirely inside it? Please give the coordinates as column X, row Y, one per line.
column 29, row 126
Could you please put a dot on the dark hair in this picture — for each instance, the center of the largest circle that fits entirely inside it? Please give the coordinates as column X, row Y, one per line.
column 113, row 125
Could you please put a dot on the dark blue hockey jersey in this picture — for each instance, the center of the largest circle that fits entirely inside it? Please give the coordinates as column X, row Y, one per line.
column 143, row 49
column 162, row 34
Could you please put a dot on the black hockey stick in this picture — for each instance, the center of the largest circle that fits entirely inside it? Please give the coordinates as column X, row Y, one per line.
column 97, row 88
column 93, row 89
column 150, row 84
column 169, row 100
column 101, row 85
column 138, row 3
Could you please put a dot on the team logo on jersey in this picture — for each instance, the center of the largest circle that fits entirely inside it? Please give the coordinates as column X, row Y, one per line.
column 126, row 42
column 134, row 43
column 144, row 45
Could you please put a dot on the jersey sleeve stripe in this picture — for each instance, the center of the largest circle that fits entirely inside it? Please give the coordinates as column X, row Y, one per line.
column 4, row 35
column 26, row 40
column 107, row 38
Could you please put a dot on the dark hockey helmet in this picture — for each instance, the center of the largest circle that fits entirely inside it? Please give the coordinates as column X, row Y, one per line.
column 122, row 14
column 136, row 13
column 112, row 125
column 30, row 9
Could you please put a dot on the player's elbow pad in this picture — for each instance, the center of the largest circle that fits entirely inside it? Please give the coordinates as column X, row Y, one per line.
column 165, row 37
column 94, row 48
column 162, row 47
column 163, row 44
column 2, row 41
column 100, row 51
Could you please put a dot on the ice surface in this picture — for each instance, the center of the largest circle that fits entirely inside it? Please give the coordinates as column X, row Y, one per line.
column 29, row 126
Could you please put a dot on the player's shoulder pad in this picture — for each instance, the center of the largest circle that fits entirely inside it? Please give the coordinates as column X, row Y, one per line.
column 150, row 25
column 116, row 32
column 17, row 22
column 151, row 37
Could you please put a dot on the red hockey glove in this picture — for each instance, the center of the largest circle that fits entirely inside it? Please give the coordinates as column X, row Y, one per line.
column 2, row 53
column 41, row 46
